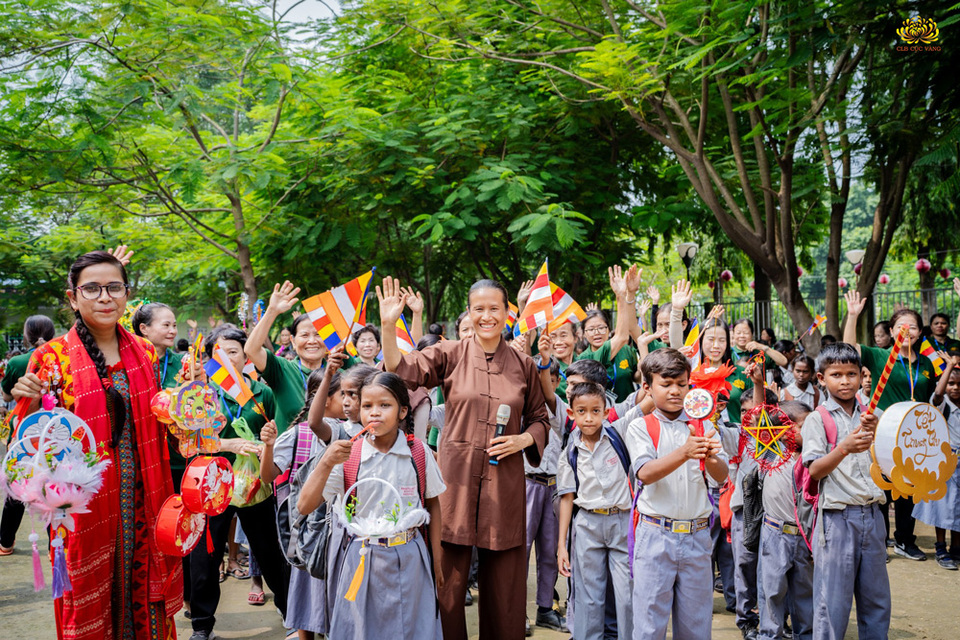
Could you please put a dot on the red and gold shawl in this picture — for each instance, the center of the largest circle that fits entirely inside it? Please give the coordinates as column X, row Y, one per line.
column 86, row 612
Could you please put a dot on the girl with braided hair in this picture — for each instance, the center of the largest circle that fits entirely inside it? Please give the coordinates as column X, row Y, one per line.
column 124, row 587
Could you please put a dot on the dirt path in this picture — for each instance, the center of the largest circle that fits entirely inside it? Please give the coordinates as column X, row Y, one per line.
column 925, row 604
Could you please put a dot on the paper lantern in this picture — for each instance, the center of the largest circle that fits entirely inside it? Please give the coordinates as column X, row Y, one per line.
column 178, row 530
column 726, row 275
column 923, row 265
column 884, row 279
column 945, row 274
column 842, row 283
column 912, row 449
column 712, row 284
column 207, row 485
column 753, row 284
column 857, row 267
column 799, row 271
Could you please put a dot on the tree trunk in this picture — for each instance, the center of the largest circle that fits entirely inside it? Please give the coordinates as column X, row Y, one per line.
column 762, row 310
column 788, row 290
column 832, row 308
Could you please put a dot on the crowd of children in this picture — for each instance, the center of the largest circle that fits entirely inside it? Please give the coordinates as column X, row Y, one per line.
column 643, row 508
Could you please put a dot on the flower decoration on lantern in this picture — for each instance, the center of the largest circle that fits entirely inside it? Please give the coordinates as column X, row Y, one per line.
column 726, row 275
column 884, row 279
column 923, row 265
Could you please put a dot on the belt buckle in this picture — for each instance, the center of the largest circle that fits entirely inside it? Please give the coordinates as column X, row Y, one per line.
column 602, row 512
column 394, row 541
column 680, row 526
column 790, row 529
column 551, row 481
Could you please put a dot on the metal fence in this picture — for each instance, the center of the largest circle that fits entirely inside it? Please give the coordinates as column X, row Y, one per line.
column 774, row 314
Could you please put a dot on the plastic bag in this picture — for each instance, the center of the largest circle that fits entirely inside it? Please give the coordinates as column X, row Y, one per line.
column 248, row 488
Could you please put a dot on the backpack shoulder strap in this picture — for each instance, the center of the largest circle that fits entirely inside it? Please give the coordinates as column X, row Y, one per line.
column 419, row 454
column 653, row 428
column 620, row 447
column 572, row 454
column 829, row 426
column 352, row 466
column 303, row 445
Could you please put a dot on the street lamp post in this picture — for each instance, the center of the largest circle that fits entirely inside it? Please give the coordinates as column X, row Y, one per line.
column 687, row 251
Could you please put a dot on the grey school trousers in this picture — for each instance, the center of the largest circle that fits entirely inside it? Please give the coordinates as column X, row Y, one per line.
column 786, row 577
column 850, row 562
column 671, row 574
column 600, row 554
column 745, row 575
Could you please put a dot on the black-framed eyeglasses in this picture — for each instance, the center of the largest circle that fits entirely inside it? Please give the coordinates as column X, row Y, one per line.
column 92, row 290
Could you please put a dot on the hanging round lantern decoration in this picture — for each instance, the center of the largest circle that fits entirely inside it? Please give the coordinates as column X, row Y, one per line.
column 884, row 279
column 726, row 275
column 945, row 273
column 842, row 283
column 923, row 265
column 178, row 529
column 207, row 485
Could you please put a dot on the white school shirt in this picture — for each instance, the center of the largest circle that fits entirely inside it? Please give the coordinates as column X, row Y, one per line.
column 850, row 483
column 551, row 452
column 786, row 375
column 394, row 466
column 352, row 428
column 603, row 482
column 806, row 397
column 950, row 409
column 681, row 495
column 778, row 493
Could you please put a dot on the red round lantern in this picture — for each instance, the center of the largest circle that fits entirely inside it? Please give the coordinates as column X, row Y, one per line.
column 178, row 530
column 923, row 265
column 884, row 279
column 207, row 485
column 160, row 406
column 945, row 273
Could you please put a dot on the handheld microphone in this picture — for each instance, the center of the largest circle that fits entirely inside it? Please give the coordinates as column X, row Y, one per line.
column 503, row 417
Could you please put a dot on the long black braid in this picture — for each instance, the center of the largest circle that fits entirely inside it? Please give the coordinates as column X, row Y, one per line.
column 116, row 409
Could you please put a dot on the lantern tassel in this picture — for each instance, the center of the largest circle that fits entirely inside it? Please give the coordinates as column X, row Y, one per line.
column 351, row 594
column 38, row 581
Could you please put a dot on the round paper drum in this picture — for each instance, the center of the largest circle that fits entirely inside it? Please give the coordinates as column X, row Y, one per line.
column 207, row 485
column 918, row 429
column 178, row 530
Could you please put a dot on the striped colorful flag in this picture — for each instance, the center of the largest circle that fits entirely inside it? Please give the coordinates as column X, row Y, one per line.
column 565, row 308
column 693, row 340
column 220, row 370
column 512, row 312
column 539, row 310
column 927, row 349
column 340, row 311
column 250, row 370
column 404, row 340
column 817, row 321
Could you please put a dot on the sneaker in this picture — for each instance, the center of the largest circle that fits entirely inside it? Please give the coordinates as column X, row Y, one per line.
column 787, row 631
column 750, row 634
column 890, row 543
column 718, row 585
column 909, row 551
column 551, row 620
column 529, row 631
column 202, row 634
column 469, row 599
column 946, row 562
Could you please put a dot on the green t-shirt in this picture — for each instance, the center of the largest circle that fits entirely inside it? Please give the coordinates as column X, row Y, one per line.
column 738, row 382
column 168, row 375
column 949, row 344
column 620, row 369
column 656, row 344
column 287, row 380
column 898, row 384
column 562, row 387
column 16, row 368
column 231, row 411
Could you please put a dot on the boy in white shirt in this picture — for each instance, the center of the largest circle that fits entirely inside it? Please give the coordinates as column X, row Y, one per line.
column 671, row 457
column 594, row 476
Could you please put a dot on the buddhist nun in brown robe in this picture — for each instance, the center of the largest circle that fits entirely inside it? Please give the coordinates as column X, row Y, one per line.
column 484, row 504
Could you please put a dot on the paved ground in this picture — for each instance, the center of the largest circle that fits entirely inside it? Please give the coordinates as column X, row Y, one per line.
column 924, row 604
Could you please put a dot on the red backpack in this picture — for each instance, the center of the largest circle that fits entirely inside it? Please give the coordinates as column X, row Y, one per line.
column 807, row 502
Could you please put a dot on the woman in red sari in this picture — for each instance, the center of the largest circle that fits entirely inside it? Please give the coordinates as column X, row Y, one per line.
column 124, row 588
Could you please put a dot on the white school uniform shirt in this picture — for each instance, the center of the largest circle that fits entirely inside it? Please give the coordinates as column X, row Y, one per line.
column 396, row 467
column 352, row 428
column 603, row 482
column 779, row 497
column 807, row 396
column 551, row 453
column 682, row 494
column 952, row 412
column 850, row 483
column 786, row 375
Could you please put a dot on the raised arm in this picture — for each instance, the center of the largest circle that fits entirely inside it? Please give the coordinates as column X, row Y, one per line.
column 414, row 302
column 545, row 346
column 855, row 305
column 390, row 295
column 680, row 296
column 952, row 362
column 315, row 419
column 281, row 300
column 626, row 313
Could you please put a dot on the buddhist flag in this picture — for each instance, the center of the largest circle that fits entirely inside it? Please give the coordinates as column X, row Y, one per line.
column 512, row 312
column 927, row 349
column 404, row 340
column 338, row 312
column 539, row 310
column 250, row 370
column 693, row 340
column 817, row 321
column 565, row 308
column 220, row 370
